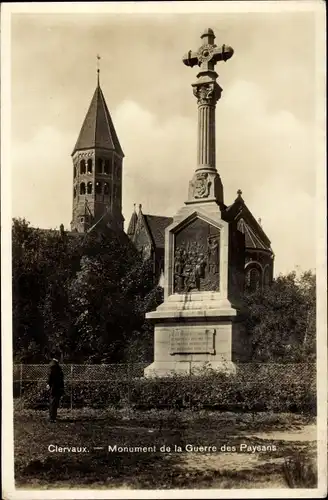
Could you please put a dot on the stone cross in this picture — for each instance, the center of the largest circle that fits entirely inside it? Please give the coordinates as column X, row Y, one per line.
column 208, row 92
column 208, row 54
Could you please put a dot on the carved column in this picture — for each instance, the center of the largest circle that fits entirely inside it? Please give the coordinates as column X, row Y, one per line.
column 207, row 96
column 206, row 183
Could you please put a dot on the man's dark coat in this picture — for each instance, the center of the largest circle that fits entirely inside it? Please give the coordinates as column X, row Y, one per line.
column 56, row 379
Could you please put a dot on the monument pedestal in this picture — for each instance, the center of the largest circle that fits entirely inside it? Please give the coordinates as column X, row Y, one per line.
column 186, row 348
column 195, row 326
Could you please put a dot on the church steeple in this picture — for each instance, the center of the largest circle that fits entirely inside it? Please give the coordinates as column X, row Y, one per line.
column 97, row 169
column 98, row 129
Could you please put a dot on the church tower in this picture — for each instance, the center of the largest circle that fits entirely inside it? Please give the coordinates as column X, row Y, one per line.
column 97, row 170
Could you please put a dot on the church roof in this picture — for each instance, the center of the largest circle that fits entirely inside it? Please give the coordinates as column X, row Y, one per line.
column 255, row 237
column 106, row 220
column 252, row 239
column 98, row 129
column 157, row 225
column 132, row 224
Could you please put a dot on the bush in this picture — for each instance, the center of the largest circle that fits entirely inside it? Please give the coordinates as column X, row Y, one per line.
column 245, row 391
column 96, row 394
column 300, row 471
column 249, row 390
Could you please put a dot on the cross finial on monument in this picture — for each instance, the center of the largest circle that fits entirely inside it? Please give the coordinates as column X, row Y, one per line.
column 208, row 53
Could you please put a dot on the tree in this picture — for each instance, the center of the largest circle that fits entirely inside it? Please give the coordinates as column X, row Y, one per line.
column 140, row 347
column 28, row 279
column 84, row 294
column 281, row 320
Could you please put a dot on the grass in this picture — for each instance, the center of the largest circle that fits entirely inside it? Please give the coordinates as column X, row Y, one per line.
column 35, row 466
column 299, row 472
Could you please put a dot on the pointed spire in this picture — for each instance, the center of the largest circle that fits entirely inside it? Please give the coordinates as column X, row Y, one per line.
column 98, row 130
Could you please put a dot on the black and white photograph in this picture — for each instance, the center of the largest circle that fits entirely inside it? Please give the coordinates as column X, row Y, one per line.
column 163, row 249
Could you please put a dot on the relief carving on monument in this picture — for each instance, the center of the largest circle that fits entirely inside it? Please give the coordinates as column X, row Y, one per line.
column 197, row 258
column 201, row 185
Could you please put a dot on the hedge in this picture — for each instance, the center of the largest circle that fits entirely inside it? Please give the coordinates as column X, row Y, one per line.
column 259, row 391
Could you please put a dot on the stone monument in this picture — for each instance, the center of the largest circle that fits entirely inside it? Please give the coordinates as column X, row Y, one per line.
column 201, row 318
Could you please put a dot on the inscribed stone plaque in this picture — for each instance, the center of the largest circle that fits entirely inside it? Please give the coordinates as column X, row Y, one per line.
column 197, row 258
column 200, row 341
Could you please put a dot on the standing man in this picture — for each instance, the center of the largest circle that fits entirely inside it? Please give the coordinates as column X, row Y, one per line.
column 55, row 386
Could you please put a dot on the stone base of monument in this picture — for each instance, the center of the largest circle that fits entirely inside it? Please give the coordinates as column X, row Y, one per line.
column 186, row 341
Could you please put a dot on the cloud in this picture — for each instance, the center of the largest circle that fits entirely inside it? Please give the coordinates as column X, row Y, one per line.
column 41, row 180
column 160, row 158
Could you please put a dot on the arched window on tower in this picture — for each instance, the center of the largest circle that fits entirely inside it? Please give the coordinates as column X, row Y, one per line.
column 99, row 166
column 253, row 279
column 74, row 172
column 82, row 188
column 98, row 187
column 106, row 188
column 89, row 166
column 89, row 188
column 74, row 192
column 82, row 167
column 106, row 167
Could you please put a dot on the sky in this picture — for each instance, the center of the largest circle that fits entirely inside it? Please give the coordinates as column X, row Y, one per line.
column 265, row 121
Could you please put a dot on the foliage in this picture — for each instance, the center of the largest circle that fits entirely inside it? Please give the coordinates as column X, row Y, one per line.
column 85, row 294
column 249, row 390
column 282, row 319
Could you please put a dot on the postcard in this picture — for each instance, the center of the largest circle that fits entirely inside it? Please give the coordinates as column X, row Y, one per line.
column 163, row 250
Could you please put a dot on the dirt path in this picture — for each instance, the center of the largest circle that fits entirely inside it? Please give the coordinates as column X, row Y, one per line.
column 238, row 461
column 307, row 433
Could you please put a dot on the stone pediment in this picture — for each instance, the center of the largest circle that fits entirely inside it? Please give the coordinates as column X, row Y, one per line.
column 188, row 214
